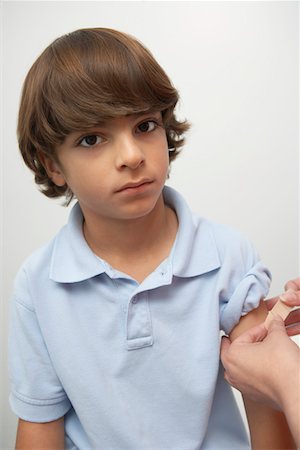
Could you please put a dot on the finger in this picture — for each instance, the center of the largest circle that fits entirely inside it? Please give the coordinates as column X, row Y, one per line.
column 270, row 302
column 293, row 284
column 254, row 334
column 293, row 330
column 291, row 298
column 293, row 317
column 292, row 323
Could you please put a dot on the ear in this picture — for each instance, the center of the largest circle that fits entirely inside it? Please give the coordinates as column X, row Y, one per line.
column 53, row 169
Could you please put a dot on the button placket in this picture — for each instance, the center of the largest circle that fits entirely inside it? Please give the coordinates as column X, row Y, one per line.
column 134, row 299
column 139, row 327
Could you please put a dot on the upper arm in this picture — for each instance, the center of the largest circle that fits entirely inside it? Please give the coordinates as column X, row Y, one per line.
column 37, row 393
column 40, row 436
column 254, row 317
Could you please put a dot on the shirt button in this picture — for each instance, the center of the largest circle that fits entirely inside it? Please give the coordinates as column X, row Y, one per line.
column 134, row 300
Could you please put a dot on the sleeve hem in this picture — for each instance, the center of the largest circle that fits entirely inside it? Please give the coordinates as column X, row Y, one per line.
column 38, row 412
column 246, row 296
column 39, row 402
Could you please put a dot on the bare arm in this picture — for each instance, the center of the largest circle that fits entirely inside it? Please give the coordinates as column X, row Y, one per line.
column 40, row 436
column 268, row 427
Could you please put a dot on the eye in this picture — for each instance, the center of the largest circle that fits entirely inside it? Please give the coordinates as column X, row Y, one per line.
column 147, row 126
column 91, row 140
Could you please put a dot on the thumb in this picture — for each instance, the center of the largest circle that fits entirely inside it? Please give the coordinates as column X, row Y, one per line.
column 291, row 298
column 254, row 334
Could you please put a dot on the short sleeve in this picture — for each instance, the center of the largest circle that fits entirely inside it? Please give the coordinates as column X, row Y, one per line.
column 36, row 392
column 248, row 283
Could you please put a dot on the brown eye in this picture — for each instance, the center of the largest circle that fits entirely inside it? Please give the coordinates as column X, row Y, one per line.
column 147, row 126
column 90, row 140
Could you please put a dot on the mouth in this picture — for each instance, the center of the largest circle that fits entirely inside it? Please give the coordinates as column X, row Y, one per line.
column 137, row 186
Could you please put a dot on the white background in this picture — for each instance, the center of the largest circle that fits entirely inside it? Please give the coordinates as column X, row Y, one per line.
column 235, row 65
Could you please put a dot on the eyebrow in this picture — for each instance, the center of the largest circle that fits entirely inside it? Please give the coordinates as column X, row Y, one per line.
column 146, row 113
column 103, row 123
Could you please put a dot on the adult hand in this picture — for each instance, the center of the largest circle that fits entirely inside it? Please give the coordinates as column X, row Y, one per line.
column 261, row 363
column 254, row 361
column 265, row 364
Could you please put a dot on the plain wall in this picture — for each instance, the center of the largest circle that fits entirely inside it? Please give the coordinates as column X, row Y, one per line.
column 235, row 65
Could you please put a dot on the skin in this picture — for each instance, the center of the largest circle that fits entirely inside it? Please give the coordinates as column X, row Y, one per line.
column 40, row 436
column 264, row 365
column 121, row 223
column 131, row 228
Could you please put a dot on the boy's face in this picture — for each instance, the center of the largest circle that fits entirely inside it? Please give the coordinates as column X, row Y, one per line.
column 117, row 169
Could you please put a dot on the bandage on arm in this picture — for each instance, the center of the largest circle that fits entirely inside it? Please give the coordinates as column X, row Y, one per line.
column 280, row 309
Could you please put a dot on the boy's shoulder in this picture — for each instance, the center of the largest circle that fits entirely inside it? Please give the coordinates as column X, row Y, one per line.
column 40, row 257
column 66, row 258
column 224, row 234
column 39, row 260
column 202, row 235
column 34, row 269
column 230, row 242
column 204, row 245
column 188, row 216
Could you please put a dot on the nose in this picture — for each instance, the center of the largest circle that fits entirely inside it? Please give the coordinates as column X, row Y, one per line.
column 129, row 153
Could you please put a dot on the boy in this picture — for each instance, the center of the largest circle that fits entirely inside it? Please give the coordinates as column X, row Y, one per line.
column 115, row 330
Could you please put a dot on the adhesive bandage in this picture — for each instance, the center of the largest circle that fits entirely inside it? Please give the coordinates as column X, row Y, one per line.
column 280, row 309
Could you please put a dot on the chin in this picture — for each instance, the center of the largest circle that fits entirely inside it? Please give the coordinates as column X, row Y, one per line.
column 139, row 212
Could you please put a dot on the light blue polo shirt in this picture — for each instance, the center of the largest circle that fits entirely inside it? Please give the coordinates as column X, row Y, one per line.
column 133, row 366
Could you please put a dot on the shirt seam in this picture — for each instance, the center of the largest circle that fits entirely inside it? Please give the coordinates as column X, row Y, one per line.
column 21, row 303
column 39, row 402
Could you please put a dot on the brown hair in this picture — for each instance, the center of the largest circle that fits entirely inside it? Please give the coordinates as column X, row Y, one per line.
column 84, row 77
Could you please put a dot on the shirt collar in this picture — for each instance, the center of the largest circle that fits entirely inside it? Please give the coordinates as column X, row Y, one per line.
column 194, row 251
column 72, row 258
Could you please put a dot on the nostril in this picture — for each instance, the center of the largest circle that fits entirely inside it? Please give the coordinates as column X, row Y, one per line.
column 133, row 161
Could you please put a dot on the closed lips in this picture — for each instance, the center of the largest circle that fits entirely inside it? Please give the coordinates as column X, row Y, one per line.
column 134, row 185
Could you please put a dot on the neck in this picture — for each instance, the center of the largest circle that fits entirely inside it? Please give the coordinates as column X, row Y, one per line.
column 118, row 241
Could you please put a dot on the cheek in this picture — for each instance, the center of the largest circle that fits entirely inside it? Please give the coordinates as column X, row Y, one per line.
column 162, row 149
column 91, row 180
column 165, row 159
column 83, row 171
